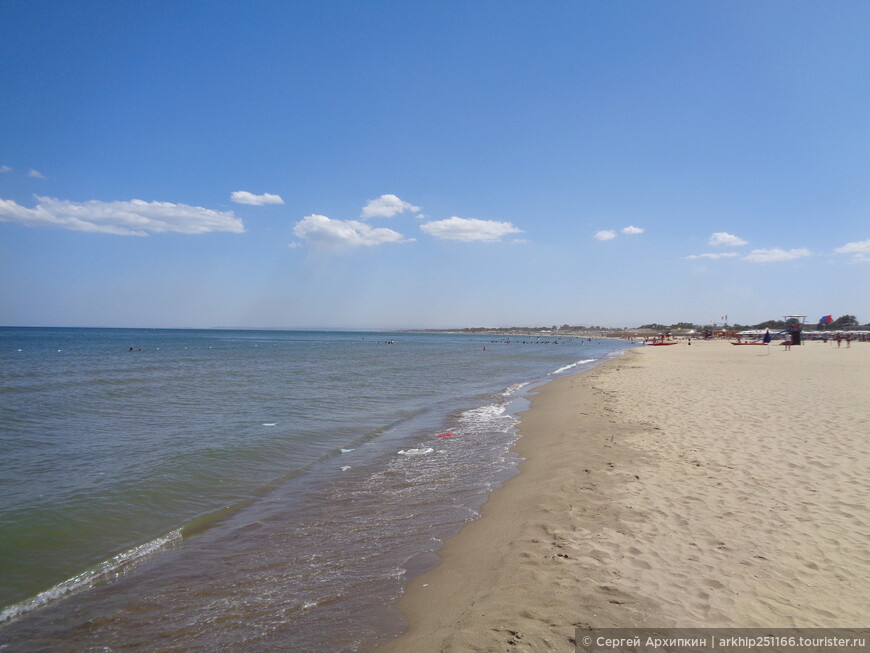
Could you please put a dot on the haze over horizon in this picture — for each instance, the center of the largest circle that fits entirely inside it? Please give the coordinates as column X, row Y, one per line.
column 391, row 165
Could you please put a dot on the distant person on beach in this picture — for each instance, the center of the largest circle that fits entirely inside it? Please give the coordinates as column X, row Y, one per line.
column 839, row 340
column 787, row 342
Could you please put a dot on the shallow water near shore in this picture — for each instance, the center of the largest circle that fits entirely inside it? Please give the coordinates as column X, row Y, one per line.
column 253, row 490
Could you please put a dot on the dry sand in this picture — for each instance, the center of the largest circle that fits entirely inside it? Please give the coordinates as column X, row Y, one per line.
column 684, row 486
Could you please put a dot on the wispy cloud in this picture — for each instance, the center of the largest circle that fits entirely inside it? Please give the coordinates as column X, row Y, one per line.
column 5, row 169
column 323, row 232
column 860, row 250
column 776, row 255
column 244, row 197
column 857, row 247
column 724, row 238
column 128, row 218
column 386, row 206
column 610, row 234
column 469, row 229
column 36, row 174
column 713, row 256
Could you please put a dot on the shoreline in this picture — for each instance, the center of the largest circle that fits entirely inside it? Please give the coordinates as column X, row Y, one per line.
column 689, row 486
column 304, row 450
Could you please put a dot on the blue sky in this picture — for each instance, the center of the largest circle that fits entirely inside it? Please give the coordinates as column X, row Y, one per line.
column 445, row 164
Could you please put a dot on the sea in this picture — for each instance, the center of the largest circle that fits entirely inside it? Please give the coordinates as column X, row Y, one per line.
column 244, row 490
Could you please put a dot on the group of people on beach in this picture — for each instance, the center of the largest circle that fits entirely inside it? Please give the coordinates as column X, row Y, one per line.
column 848, row 338
column 507, row 341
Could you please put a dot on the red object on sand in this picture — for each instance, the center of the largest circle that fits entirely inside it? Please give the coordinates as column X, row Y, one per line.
column 446, row 435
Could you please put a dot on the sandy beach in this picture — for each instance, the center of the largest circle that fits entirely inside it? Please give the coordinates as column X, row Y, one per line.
column 685, row 486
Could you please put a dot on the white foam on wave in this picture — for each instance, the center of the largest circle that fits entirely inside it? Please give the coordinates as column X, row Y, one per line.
column 513, row 389
column 416, row 452
column 492, row 417
column 483, row 413
column 572, row 366
column 110, row 569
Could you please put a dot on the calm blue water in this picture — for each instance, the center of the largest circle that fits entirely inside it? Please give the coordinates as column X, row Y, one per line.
column 241, row 489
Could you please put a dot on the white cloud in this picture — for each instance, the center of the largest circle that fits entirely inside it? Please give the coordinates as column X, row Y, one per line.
column 386, row 206
column 860, row 250
column 469, row 229
column 859, row 247
column 632, row 230
column 776, row 255
column 130, row 218
column 244, row 197
column 723, row 238
column 713, row 256
column 5, row 169
column 35, row 174
column 324, row 232
column 605, row 234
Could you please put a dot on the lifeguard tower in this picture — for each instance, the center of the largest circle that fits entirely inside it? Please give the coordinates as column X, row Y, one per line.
column 794, row 325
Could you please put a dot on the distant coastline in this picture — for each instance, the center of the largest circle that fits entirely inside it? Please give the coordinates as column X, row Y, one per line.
column 542, row 332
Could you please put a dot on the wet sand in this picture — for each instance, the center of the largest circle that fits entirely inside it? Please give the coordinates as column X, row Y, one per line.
column 684, row 486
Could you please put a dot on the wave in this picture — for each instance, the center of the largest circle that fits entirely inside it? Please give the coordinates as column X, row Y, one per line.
column 572, row 366
column 513, row 389
column 487, row 419
column 107, row 570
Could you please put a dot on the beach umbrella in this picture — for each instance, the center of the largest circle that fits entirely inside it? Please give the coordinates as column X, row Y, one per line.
column 766, row 339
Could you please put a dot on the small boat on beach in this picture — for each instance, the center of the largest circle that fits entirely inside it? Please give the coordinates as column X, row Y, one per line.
column 748, row 343
column 661, row 344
